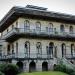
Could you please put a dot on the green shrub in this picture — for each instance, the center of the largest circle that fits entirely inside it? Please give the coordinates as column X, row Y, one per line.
column 72, row 73
column 9, row 69
column 61, row 68
column 1, row 73
column 64, row 69
column 68, row 70
column 2, row 66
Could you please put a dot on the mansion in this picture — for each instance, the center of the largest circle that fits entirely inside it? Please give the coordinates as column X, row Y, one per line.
column 34, row 38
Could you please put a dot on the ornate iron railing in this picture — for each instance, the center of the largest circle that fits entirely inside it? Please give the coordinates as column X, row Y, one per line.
column 25, row 55
column 51, row 32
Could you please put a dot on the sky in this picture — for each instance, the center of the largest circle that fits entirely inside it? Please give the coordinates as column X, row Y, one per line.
column 63, row 6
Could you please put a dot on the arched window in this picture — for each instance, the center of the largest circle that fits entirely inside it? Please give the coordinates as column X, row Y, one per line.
column 0, row 50
column 63, row 46
column 12, row 26
column 49, row 28
column 16, row 47
column 26, row 25
column 12, row 48
column 62, row 28
column 27, row 47
column 50, row 25
column 38, row 26
column 8, row 49
column 51, row 45
column 17, row 24
column 39, row 47
column 55, row 51
column 72, row 49
column 71, row 29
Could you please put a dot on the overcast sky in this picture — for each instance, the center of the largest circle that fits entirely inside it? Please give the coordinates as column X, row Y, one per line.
column 64, row 6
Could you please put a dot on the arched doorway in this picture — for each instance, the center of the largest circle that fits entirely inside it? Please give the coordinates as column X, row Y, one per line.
column 44, row 66
column 20, row 65
column 32, row 66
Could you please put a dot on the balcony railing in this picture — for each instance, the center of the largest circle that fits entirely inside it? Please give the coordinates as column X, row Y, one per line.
column 52, row 33
column 27, row 56
column 71, row 56
column 33, row 56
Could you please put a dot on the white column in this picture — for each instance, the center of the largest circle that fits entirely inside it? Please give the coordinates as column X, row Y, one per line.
column 24, row 66
column 50, row 64
column 39, row 65
column 27, row 66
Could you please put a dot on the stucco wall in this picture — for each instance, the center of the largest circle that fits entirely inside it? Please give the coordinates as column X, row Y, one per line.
column 33, row 50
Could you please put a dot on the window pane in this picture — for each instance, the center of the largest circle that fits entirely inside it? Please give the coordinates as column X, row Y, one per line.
column 63, row 49
column 38, row 26
column 49, row 28
column 39, row 47
column 16, row 47
column 26, row 25
column 71, row 29
column 0, row 50
column 27, row 47
column 62, row 28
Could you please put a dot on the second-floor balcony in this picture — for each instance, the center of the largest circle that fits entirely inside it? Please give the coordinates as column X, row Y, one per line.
column 24, row 56
column 53, row 34
column 34, row 56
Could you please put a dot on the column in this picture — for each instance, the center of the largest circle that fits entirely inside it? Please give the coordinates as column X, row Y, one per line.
column 38, row 65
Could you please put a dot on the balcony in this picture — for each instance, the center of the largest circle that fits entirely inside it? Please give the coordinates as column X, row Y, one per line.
column 32, row 56
column 70, row 56
column 23, row 56
column 33, row 33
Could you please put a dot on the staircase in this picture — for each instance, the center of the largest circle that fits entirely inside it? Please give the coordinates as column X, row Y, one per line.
column 65, row 62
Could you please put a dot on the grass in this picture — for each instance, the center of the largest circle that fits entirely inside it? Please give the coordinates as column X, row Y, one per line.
column 44, row 73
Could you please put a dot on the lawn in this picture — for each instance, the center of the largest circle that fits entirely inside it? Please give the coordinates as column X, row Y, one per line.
column 44, row 73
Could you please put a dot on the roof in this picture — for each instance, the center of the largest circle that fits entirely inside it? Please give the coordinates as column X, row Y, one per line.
column 33, row 12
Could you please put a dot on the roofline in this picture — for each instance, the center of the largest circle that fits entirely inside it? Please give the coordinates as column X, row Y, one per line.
column 17, row 12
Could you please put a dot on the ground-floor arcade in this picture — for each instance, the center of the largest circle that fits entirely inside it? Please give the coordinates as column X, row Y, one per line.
column 35, row 65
